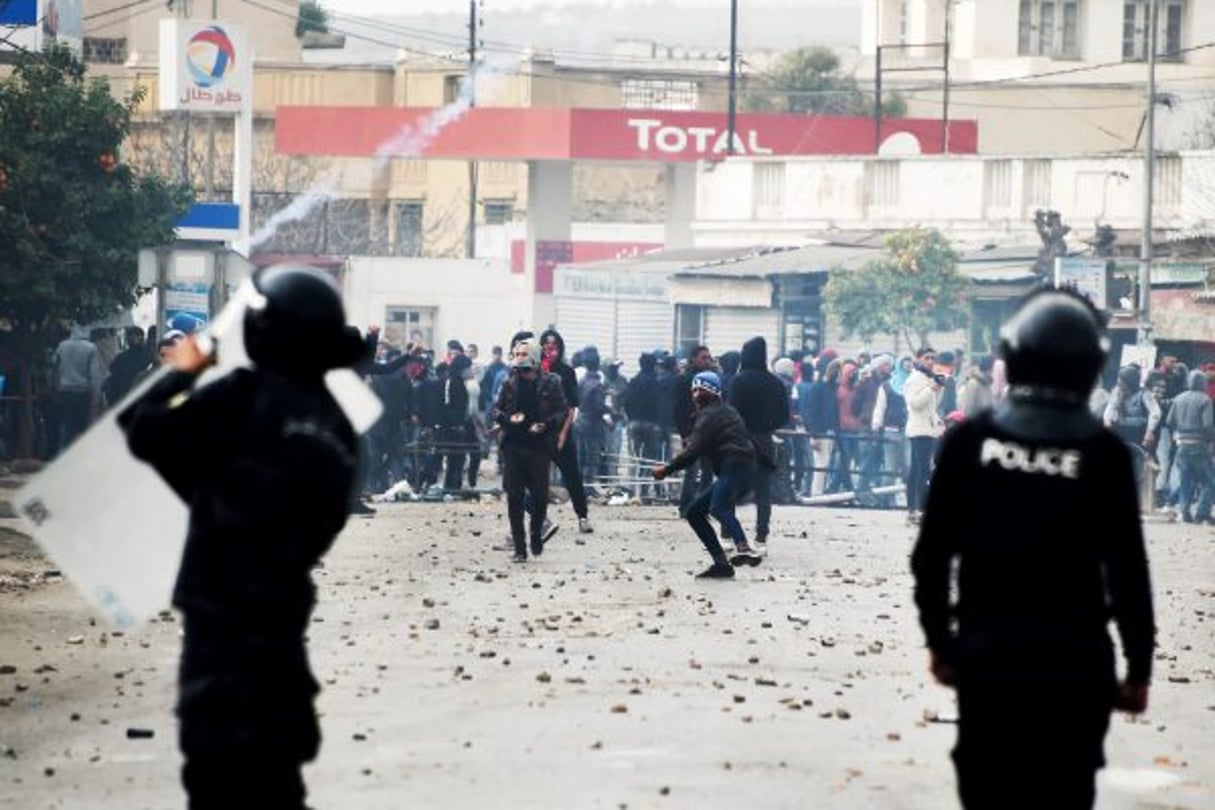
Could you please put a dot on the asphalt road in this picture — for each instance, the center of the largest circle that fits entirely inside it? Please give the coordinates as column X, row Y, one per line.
column 600, row 676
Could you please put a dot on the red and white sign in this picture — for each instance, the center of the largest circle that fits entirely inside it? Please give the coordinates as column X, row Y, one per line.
column 510, row 133
column 550, row 253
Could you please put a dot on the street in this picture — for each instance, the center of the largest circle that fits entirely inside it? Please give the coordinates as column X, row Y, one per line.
column 600, row 676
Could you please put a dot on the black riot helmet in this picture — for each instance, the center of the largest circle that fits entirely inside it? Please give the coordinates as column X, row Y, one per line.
column 1054, row 342
column 297, row 324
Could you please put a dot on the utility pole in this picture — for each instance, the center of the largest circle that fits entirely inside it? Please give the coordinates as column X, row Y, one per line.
column 471, row 247
column 945, row 91
column 733, row 99
column 1149, row 179
column 209, row 180
column 182, row 9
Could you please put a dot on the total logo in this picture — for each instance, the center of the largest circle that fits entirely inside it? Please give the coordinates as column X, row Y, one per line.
column 672, row 139
column 210, row 56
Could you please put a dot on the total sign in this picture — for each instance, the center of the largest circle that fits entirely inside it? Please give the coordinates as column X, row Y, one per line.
column 674, row 136
column 205, row 66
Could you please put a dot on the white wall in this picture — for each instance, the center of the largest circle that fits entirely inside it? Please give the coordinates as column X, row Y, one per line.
column 477, row 300
column 952, row 194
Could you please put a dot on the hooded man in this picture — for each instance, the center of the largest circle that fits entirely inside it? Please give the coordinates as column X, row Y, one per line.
column 763, row 402
column 641, row 411
column 552, row 347
column 719, row 435
column 1191, row 423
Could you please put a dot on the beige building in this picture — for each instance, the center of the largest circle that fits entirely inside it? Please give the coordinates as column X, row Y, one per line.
column 1049, row 76
column 387, row 207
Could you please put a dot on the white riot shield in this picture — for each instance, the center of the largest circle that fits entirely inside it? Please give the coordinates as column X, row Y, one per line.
column 108, row 520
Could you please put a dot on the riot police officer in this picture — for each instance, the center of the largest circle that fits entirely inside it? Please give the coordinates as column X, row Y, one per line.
column 1035, row 502
column 266, row 461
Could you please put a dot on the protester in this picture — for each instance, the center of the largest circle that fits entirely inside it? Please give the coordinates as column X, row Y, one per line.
column 530, row 409
column 720, row 435
column 762, row 400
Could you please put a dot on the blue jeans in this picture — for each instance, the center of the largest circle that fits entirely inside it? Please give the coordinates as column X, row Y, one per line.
column 1197, row 474
column 719, row 500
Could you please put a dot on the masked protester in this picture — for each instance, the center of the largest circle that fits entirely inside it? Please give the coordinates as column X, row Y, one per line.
column 266, row 461
column 530, row 409
column 565, row 449
column 720, row 435
column 1026, row 636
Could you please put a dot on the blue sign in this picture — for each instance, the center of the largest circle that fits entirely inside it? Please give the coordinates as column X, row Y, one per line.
column 211, row 215
column 19, row 12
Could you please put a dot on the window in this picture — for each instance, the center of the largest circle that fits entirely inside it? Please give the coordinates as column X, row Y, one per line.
column 1035, row 184
column 769, row 190
column 451, row 88
column 1049, row 28
column 405, row 324
column 998, row 183
column 1168, row 181
column 105, row 51
column 882, row 183
column 409, row 229
column 1169, row 33
column 499, row 212
column 659, row 94
column 689, row 326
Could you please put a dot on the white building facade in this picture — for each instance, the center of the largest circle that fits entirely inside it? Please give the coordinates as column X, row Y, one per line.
column 974, row 200
column 1048, row 75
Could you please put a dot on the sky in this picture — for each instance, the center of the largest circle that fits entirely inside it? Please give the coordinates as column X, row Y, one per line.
column 373, row 7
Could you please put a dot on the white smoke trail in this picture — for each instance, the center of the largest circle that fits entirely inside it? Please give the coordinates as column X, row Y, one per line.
column 409, row 141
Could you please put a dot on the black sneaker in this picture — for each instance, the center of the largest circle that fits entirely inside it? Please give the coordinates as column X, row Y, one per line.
column 537, row 547
column 745, row 555
column 520, row 557
column 761, row 539
column 361, row 508
column 548, row 530
column 717, row 571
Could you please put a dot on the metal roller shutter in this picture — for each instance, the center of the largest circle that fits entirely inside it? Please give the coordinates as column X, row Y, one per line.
column 642, row 326
column 728, row 328
column 586, row 321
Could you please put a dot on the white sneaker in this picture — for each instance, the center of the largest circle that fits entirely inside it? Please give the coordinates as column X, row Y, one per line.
column 584, row 526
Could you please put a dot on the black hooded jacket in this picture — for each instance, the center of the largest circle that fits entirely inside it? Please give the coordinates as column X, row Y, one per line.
column 756, row 393
column 569, row 381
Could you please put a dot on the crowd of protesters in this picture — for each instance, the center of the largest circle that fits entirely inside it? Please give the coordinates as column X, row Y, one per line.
column 861, row 428
column 843, row 429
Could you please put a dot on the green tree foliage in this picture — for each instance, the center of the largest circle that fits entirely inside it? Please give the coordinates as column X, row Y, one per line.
column 313, row 17
column 914, row 290
column 808, row 80
column 73, row 216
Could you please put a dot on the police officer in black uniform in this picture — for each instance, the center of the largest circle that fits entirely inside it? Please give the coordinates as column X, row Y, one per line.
column 1036, row 504
column 266, row 461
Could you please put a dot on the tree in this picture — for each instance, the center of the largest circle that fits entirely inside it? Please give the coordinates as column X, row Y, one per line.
column 910, row 293
column 313, row 17
column 73, row 215
column 807, row 80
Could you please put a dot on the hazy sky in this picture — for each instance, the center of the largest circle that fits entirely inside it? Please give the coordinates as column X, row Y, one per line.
column 432, row 6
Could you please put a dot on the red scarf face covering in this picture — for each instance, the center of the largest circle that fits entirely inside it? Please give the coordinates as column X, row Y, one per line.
column 550, row 358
